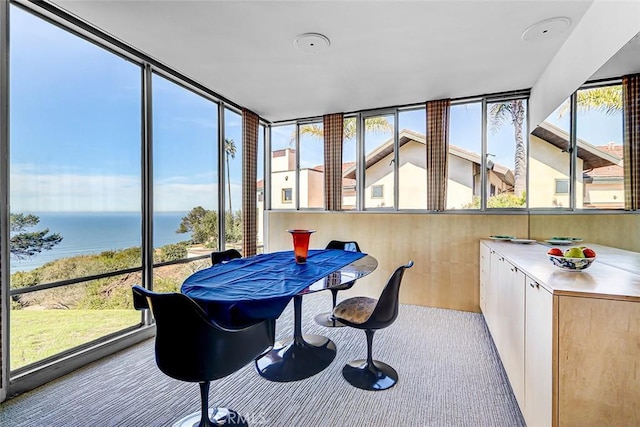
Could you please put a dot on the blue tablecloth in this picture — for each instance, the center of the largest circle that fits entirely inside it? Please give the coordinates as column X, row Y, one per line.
column 244, row 290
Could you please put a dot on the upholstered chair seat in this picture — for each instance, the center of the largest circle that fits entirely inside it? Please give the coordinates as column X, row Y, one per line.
column 355, row 310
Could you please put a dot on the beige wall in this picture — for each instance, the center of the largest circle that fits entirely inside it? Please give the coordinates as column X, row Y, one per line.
column 444, row 246
column 279, row 181
column 311, row 188
column 546, row 164
column 460, row 182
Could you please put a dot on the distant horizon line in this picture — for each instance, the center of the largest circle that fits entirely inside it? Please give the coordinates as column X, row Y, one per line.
column 92, row 212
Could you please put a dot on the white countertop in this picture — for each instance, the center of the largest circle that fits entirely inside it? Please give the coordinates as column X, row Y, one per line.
column 615, row 274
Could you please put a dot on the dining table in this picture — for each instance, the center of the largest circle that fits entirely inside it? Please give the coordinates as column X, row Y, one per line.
column 243, row 291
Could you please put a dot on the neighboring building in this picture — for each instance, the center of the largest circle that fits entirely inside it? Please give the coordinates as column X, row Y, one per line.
column 283, row 182
column 604, row 185
column 464, row 178
column 463, row 183
column 600, row 185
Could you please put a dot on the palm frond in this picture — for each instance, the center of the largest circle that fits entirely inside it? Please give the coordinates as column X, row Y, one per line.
column 314, row 130
column 607, row 100
column 230, row 148
column 499, row 113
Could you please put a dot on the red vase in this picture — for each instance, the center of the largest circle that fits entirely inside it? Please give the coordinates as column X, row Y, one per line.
column 301, row 244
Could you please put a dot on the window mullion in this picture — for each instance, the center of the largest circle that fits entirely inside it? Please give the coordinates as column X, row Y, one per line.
column 222, row 169
column 396, row 162
column 360, row 163
column 573, row 151
column 297, row 171
column 483, row 159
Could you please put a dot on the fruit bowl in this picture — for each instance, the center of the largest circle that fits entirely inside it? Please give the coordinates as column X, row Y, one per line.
column 571, row 264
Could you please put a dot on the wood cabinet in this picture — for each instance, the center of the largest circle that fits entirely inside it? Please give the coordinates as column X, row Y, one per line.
column 569, row 342
column 511, row 300
column 538, row 366
column 505, row 311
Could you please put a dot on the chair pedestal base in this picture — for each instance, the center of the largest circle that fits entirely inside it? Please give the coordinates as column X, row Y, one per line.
column 380, row 376
column 327, row 319
column 218, row 416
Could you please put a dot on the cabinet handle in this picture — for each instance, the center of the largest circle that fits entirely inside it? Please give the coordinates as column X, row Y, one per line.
column 534, row 285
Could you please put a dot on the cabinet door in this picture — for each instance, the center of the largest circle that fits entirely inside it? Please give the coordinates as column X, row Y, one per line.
column 502, row 304
column 538, row 356
column 485, row 271
column 511, row 303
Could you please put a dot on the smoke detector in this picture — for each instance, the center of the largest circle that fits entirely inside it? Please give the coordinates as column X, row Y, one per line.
column 311, row 43
column 547, row 29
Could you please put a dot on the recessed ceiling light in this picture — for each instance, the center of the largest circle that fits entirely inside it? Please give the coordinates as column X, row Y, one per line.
column 311, row 42
column 546, row 29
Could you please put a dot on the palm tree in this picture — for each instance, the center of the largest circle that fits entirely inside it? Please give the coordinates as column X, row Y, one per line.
column 607, row 99
column 230, row 150
column 512, row 111
column 374, row 124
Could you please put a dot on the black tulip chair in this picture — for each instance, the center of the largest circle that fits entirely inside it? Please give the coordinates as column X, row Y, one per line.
column 190, row 347
column 372, row 314
column 228, row 255
column 327, row 319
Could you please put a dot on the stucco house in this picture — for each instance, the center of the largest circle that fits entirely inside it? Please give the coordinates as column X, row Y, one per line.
column 599, row 185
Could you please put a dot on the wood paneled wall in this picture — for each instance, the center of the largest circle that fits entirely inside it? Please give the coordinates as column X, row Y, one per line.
column 615, row 230
column 443, row 246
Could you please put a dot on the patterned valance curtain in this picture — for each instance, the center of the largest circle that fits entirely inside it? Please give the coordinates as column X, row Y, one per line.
column 333, row 125
column 249, row 176
column 437, row 153
column 631, row 143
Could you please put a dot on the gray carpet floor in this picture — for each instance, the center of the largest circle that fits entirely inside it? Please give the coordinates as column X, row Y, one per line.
column 450, row 375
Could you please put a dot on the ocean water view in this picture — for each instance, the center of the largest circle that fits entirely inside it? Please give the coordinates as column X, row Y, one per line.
column 85, row 233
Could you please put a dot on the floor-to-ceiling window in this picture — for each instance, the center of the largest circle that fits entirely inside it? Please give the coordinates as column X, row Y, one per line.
column 75, row 189
column 262, row 132
column 233, row 179
column 96, row 138
column 185, row 179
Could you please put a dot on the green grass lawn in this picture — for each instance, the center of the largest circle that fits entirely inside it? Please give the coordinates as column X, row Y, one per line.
column 37, row 334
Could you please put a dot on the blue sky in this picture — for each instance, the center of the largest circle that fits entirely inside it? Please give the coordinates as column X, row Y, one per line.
column 75, row 130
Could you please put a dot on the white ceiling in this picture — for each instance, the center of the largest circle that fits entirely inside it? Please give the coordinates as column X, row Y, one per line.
column 382, row 53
